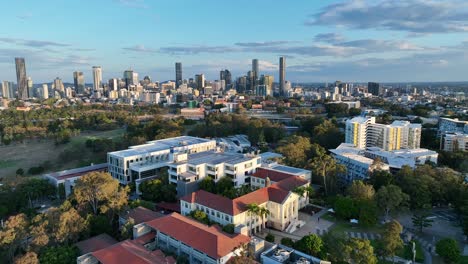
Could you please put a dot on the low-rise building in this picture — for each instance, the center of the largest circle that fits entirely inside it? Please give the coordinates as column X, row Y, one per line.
column 449, row 125
column 195, row 241
column 279, row 198
column 280, row 254
column 67, row 178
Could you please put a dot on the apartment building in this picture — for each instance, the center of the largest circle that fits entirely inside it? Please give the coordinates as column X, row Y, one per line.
column 278, row 198
column 363, row 132
column 449, row 125
column 199, row 243
column 142, row 161
column 454, row 142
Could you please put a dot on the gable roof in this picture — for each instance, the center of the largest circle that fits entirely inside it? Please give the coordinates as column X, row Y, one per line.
column 276, row 193
column 209, row 240
column 129, row 251
column 95, row 243
column 274, row 176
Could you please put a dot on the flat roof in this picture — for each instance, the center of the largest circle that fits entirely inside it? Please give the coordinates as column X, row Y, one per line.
column 270, row 155
column 291, row 170
column 159, row 145
column 212, row 157
column 66, row 174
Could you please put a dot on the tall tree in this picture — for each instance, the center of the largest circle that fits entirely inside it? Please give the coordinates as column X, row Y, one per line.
column 97, row 190
column 359, row 251
column 390, row 198
column 379, row 178
column 70, row 227
column 13, row 234
column 326, row 167
column 310, row 244
column 361, row 191
column 207, row 184
column 296, row 151
column 391, row 240
column 252, row 211
column 28, row 258
column 421, row 220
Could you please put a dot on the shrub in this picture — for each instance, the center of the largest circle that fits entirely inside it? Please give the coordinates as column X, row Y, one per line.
column 287, row 242
column 270, row 238
column 229, row 228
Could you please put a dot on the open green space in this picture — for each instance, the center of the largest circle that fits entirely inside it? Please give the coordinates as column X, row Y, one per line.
column 7, row 163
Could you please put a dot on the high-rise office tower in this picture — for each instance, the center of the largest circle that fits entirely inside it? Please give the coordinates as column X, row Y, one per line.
column 267, row 80
column 79, row 82
column 282, row 75
column 6, row 90
column 135, row 80
column 21, row 78
column 128, row 77
column 241, row 84
column 114, row 84
column 200, row 81
column 226, row 76
column 178, row 73
column 58, row 84
column 255, row 68
column 45, row 91
column 97, row 78
column 374, row 88
column 30, row 87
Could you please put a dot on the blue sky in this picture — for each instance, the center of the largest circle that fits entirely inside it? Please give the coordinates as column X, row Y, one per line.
column 361, row 40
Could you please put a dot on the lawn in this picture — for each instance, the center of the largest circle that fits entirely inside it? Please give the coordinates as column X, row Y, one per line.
column 342, row 226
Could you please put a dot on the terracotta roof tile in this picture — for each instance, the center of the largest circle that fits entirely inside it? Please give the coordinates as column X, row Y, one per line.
column 142, row 214
column 95, row 243
column 275, row 176
column 129, row 251
column 209, row 240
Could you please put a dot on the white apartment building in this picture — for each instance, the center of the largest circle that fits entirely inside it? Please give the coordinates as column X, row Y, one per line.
column 189, row 168
column 399, row 158
column 363, row 132
column 278, row 198
column 358, row 167
column 454, row 142
column 142, row 161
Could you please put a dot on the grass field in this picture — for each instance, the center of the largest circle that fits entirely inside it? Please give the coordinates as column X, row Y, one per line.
column 35, row 152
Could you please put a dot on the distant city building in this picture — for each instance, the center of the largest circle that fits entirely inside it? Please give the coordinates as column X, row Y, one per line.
column 375, row 88
column 135, row 80
column 255, row 72
column 226, row 76
column 364, row 132
column 200, row 81
column 58, row 85
column 454, row 142
column 22, row 83
column 178, row 73
column 79, row 82
column 268, row 80
column 97, row 78
column 30, row 87
column 45, row 91
column 282, row 75
column 6, row 90
column 128, row 78
column 114, row 84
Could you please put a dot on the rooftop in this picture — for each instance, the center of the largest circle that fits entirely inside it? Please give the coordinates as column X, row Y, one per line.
column 95, row 243
column 159, row 145
column 215, row 157
column 141, row 214
column 209, row 240
column 77, row 172
column 129, row 251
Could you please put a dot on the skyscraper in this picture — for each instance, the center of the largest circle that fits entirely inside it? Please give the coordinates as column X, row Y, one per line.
column 374, row 88
column 45, row 91
column 97, row 78
column 58, row 84
column 200, row 81
column 30, row 87
column 267, row 80
column 78, row 79
column 6, row 90
column 128, row 77
column 255, row 73
column 282, row 75
column 21, row 78
column 178, row 73
column 226, row 76
column 255, row 66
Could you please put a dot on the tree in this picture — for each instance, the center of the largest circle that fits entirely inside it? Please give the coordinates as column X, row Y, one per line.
column 20, row 172
column 421, row 220
column 252, row 210
column 448, row 249
column 207, row 184
column 325, row 166
column 296, row 151
column 391, row 241
column 28, row 258
column 263, row 213
column 379, row 178
column 14, row 233
column 97, row 190
column 287, row 242
column 59, row 255
column 390, row 198
column 270, row 238
column 310, row 244
column 70, row 226
column 345, row 208
column 359, row 251
column 126, row 232
column 361, row 191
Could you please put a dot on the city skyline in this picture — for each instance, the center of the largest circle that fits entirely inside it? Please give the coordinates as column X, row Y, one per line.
column 354, row 41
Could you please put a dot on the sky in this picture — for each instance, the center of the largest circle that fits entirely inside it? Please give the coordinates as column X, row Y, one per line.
column 323, row 41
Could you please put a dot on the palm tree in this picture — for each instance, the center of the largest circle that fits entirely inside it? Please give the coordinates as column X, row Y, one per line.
column 252, row 209
column 263, row 212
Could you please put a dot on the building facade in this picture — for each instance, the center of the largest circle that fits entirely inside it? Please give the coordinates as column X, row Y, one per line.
column 97, row 78
column 282, row 75
column 22, row 81
column 454, row 142
column 178, row 73
column 79, row 82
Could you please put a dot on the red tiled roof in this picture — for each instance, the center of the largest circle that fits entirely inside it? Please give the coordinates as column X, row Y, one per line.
column 145, row 239
column 274, row 176
column 95, row 243
column 276, row 192
column 209, row 240
column 142, row 214
column 129, row 251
